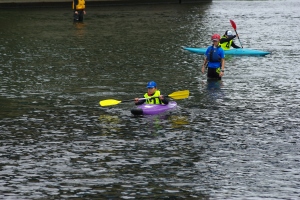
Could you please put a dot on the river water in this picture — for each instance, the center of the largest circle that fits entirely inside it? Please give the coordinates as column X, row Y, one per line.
column 235, row 139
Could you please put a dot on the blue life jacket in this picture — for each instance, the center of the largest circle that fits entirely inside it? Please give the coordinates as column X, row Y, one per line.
column 213, row 55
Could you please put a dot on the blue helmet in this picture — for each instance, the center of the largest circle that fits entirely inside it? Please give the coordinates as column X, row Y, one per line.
column 151, row 84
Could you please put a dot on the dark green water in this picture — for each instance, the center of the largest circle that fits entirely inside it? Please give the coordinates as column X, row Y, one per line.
column 238, row 139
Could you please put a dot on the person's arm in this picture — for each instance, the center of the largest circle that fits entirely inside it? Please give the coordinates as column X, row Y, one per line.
column 222, row 55
column 230, row 37
column 138, row 101
column 205, row 60
column 75, row 3
column 204, row 65
column 163, row 99
column 223, row 65
column 234, row 45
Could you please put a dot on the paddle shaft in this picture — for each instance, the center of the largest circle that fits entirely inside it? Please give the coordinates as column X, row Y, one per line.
column 234, row 27
column 175, row 95
column 238, row 38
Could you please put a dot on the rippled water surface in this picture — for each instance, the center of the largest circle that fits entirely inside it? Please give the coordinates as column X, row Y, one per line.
column 235, row 139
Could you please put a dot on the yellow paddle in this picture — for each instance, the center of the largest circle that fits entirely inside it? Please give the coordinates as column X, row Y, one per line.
column 175, row 95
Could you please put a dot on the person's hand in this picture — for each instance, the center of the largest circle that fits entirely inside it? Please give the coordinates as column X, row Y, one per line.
column 221, row 74
column 161, row 97
column 76, row 12
column 203, row 69
column 84, row 12
column 136, row 100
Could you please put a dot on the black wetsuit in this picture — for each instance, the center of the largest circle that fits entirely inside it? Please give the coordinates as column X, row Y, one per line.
column 230, row 37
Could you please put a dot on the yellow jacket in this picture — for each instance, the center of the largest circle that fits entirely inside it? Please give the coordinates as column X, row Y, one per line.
column 80, row 4
column 153, row 100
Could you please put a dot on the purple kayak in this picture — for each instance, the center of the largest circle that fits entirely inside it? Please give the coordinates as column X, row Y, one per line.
column 153, row 109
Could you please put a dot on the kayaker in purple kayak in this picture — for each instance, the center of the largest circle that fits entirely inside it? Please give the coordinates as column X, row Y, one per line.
column 152, row 92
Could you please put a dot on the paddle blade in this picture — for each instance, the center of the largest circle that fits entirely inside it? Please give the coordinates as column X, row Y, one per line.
column 233, row 24
column 180, row 94
column 109, row 102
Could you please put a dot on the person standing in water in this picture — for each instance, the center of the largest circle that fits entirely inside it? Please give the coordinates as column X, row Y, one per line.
column 214, row 59
column 79, row 10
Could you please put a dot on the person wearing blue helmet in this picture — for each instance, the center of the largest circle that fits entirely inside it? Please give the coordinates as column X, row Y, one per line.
column 152, row 92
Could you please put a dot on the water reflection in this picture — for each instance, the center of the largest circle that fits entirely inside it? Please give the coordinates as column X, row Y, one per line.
column 155, row 123
column 80, row 28
column 157, row 126
column 109, row 123
column 214, row 89
column 179, row 121
column 150, row 125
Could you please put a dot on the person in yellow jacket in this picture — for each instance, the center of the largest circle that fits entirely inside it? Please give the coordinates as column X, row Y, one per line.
column 227, row 41
column 152, row 92
column 79, row 10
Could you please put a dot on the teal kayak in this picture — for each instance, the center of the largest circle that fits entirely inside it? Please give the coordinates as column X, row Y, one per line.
column 237, row 52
